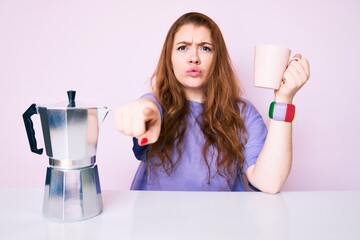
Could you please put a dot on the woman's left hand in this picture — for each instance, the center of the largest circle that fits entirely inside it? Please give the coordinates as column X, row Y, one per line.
column 295, row 76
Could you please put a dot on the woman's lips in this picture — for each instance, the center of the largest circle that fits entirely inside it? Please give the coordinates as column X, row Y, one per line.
column 194, row 72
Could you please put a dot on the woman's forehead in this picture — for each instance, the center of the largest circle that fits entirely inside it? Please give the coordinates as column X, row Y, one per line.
column 193, row 33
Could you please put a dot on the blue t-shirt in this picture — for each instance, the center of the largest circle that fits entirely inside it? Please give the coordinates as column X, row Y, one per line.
column 191, row 174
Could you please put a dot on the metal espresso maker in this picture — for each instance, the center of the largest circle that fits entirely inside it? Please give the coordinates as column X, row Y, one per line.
column 70, row 131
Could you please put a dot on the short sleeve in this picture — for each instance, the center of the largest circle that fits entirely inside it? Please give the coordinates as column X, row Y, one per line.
column 256, row 133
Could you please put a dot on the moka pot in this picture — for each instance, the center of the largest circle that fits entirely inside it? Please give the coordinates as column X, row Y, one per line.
column 70, row 131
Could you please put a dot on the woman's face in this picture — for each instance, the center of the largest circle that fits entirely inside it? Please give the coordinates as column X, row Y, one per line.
column 191, row 58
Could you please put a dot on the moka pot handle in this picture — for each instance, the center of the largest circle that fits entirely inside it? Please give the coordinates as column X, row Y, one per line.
column 30, row 128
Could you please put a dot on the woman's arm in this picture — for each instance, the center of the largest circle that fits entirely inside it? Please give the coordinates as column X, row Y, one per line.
column 274, row 162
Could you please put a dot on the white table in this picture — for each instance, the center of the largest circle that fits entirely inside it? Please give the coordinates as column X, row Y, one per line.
column 189, row 215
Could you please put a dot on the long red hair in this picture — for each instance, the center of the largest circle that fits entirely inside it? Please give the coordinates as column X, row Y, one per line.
column 221, row 121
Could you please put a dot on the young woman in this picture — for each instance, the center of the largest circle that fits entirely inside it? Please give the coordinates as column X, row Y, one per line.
column 195, row 131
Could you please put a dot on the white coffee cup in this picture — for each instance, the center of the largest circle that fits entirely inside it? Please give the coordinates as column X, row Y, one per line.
column 270, row 63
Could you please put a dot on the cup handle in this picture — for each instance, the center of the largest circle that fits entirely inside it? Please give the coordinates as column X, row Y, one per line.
column 293, row 59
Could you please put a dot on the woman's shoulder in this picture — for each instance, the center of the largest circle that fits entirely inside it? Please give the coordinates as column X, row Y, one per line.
column 248, row 110
column 150, row 95
column 246, row 106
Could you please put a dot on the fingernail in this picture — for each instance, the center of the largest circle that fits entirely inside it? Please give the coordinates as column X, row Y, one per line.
column 143, row 141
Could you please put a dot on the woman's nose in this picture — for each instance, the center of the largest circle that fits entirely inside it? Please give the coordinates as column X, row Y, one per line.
column 195, row 61
column 194, row 57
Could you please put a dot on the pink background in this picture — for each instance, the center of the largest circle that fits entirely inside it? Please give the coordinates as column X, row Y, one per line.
column 108, row 49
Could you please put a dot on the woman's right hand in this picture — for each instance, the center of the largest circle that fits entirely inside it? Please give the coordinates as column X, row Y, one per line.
column 140, row 119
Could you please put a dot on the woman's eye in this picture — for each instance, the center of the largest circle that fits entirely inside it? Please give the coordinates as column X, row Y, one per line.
column 206, row 49
column 181, row 48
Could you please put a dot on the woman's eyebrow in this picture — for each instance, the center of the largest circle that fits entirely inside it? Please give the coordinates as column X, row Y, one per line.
column 189, row 43
column 205, row 43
